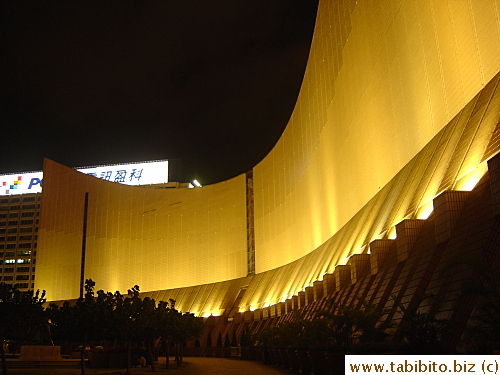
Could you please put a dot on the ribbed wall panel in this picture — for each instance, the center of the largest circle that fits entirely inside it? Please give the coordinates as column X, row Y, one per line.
column 154, row 238
column 389, row 75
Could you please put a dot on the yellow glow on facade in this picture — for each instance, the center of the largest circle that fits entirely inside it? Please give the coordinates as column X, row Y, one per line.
column 383, row 123
column 135, row 234
column 392, row 233
column 368, row 105
column 470, row 180
column 425, row 211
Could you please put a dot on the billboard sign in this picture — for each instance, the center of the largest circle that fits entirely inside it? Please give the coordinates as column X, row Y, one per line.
column 142, row 173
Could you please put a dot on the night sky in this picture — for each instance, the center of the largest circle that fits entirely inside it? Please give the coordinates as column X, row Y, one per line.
column 212, row 83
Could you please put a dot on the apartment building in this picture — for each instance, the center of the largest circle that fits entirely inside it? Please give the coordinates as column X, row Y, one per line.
column 19, row 219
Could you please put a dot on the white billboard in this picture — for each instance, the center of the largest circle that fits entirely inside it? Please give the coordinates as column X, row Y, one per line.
column 141, row 173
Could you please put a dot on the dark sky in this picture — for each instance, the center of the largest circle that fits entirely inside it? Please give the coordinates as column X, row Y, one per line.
column 212, row 83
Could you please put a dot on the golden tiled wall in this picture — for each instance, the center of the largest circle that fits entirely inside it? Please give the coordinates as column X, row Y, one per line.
column 155, row 238
column 383, row 78
column 400, row 102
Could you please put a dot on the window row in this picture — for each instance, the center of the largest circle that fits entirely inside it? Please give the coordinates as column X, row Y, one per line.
column 16, row 222
column 17, row 199
column 19, row 269
column 19, row 253
column 20, row 246
column 16, row 208
column 16, row 214
column 23, row 222
column 21, row 230
column 21, row 238
column 18, row 261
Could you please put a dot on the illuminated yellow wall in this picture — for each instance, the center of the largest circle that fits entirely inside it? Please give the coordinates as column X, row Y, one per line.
column 400, row 102
column 454, row 159
column 383, row 78
column 155, row 238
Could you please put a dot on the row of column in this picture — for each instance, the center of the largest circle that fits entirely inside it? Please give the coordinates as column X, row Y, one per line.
column 447, row 209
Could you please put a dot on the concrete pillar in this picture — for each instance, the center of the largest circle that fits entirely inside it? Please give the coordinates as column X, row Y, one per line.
column 288, row 305
column 257, row 314
column 494, row 171
column 265, row 313
column 447, row 209
column 318, row 289
column 378, row 253
column 280, row 309
column 301, row 299
column 237, row 318
column 309, row 295
column 272, row 311
column 342, row 276
column 248, row 316
column 407, row 232
column 295, row 302
column 328, row 284
column 360, row 265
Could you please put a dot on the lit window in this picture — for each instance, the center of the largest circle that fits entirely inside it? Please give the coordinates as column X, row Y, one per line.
column 24, row 252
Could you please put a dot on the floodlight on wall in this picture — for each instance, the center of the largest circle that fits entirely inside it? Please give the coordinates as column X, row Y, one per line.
column 193, row 184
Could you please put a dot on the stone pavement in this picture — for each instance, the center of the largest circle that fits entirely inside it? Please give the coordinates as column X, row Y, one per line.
column 191, row 366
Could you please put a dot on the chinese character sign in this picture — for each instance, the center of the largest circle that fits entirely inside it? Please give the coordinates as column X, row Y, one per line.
column 145, row 173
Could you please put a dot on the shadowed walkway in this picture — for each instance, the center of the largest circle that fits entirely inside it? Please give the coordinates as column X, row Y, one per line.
column 191, row 366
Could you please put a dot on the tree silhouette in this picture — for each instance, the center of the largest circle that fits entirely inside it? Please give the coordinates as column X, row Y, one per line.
column 22, row 315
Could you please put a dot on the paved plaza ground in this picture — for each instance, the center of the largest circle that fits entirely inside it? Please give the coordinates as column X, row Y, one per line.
column 191, row 366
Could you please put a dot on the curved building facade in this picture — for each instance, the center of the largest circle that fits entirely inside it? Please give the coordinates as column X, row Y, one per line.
column 383, row 79
column 399, row 104
column 161, row 238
